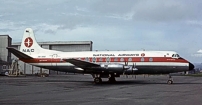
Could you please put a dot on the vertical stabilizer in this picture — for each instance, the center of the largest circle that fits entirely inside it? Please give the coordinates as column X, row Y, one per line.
column 29, row 44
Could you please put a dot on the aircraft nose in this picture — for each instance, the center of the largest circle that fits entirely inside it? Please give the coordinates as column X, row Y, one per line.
column 191, row 66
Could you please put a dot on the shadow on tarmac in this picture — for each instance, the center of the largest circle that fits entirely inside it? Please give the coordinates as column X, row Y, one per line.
column 128, row 82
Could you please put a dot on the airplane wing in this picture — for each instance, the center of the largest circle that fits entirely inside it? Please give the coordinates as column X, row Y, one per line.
column 18, row 54
column 80, row 63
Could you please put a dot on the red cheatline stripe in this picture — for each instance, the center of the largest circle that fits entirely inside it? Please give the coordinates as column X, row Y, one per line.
column 117, row 59
column 136, row 63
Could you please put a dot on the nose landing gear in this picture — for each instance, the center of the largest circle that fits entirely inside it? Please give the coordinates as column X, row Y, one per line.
column 97, row 78
column 170, row 80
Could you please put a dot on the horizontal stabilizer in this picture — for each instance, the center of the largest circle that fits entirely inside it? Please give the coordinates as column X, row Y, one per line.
column 80, row 63
column 18, row 53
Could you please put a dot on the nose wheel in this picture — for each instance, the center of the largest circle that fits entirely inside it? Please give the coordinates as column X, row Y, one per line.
column 170, row 80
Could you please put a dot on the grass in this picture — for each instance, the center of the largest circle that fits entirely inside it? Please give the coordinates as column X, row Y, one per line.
column 195, row 75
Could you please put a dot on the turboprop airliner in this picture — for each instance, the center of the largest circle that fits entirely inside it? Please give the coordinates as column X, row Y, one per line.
column 101, row 64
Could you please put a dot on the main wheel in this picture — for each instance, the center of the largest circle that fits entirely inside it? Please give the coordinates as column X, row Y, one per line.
column 97, row 80
column 112, row 79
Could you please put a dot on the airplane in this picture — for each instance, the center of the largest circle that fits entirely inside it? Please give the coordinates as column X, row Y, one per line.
column 101, row 64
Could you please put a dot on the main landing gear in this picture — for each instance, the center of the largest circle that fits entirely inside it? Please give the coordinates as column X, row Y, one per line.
column 112, row 78
column 170, row 80
column 98, row 79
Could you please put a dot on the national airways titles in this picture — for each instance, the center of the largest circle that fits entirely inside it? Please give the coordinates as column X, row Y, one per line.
column 102, row 55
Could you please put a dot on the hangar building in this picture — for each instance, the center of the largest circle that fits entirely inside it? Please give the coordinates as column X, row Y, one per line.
column 67, row 46
column 5, row 56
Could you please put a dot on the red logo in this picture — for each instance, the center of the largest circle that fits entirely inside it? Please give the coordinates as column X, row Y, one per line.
column 142, row 54
column 28, row 42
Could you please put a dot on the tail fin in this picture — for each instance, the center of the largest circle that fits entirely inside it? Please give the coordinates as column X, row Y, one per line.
column 29, row 44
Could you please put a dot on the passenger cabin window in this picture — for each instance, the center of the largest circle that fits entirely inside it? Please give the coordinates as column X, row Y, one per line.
column 115, row 59
column 130, row 59
column 122, row 59
column 108, row 59
column 100, row 59
column 94, row 59
column 150, row 59
column 142, row 59
column 87, row 59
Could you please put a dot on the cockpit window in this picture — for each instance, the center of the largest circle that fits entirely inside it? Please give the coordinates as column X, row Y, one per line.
column 175, row 56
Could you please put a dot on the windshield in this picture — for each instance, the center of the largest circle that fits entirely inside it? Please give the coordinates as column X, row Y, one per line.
column 175, row 56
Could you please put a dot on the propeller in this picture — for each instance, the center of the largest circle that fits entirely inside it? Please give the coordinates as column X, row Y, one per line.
column 130, row 68
column 133, row 69
column 125, row 67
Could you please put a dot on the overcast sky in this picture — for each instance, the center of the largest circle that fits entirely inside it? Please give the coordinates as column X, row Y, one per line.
column 110, row 24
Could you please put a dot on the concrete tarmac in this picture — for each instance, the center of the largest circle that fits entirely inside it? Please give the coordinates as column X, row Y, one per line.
column 80, row 90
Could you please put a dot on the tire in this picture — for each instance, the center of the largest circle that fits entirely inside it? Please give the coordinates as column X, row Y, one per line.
column 170, row 82
column 112, row 80
column 97, row 80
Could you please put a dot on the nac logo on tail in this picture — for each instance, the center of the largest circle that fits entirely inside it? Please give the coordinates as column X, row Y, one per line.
column 28, row 42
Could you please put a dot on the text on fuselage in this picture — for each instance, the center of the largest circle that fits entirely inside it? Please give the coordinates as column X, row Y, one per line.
column 28, row 50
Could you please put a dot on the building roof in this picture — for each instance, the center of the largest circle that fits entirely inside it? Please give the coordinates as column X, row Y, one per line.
column 59, row 42
column 6, row 36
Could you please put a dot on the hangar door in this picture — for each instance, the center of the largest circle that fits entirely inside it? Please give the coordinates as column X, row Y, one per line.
column 71, row 48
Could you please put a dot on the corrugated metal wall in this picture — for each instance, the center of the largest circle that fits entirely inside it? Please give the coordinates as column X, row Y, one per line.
column 5, row 41
column 5, row 56
column 71, row 48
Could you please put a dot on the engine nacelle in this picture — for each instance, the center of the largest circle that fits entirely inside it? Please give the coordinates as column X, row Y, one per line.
column 113, row 67
column 131, row 70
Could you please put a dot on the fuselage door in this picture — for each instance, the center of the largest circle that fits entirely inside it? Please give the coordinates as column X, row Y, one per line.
column 54, row 60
